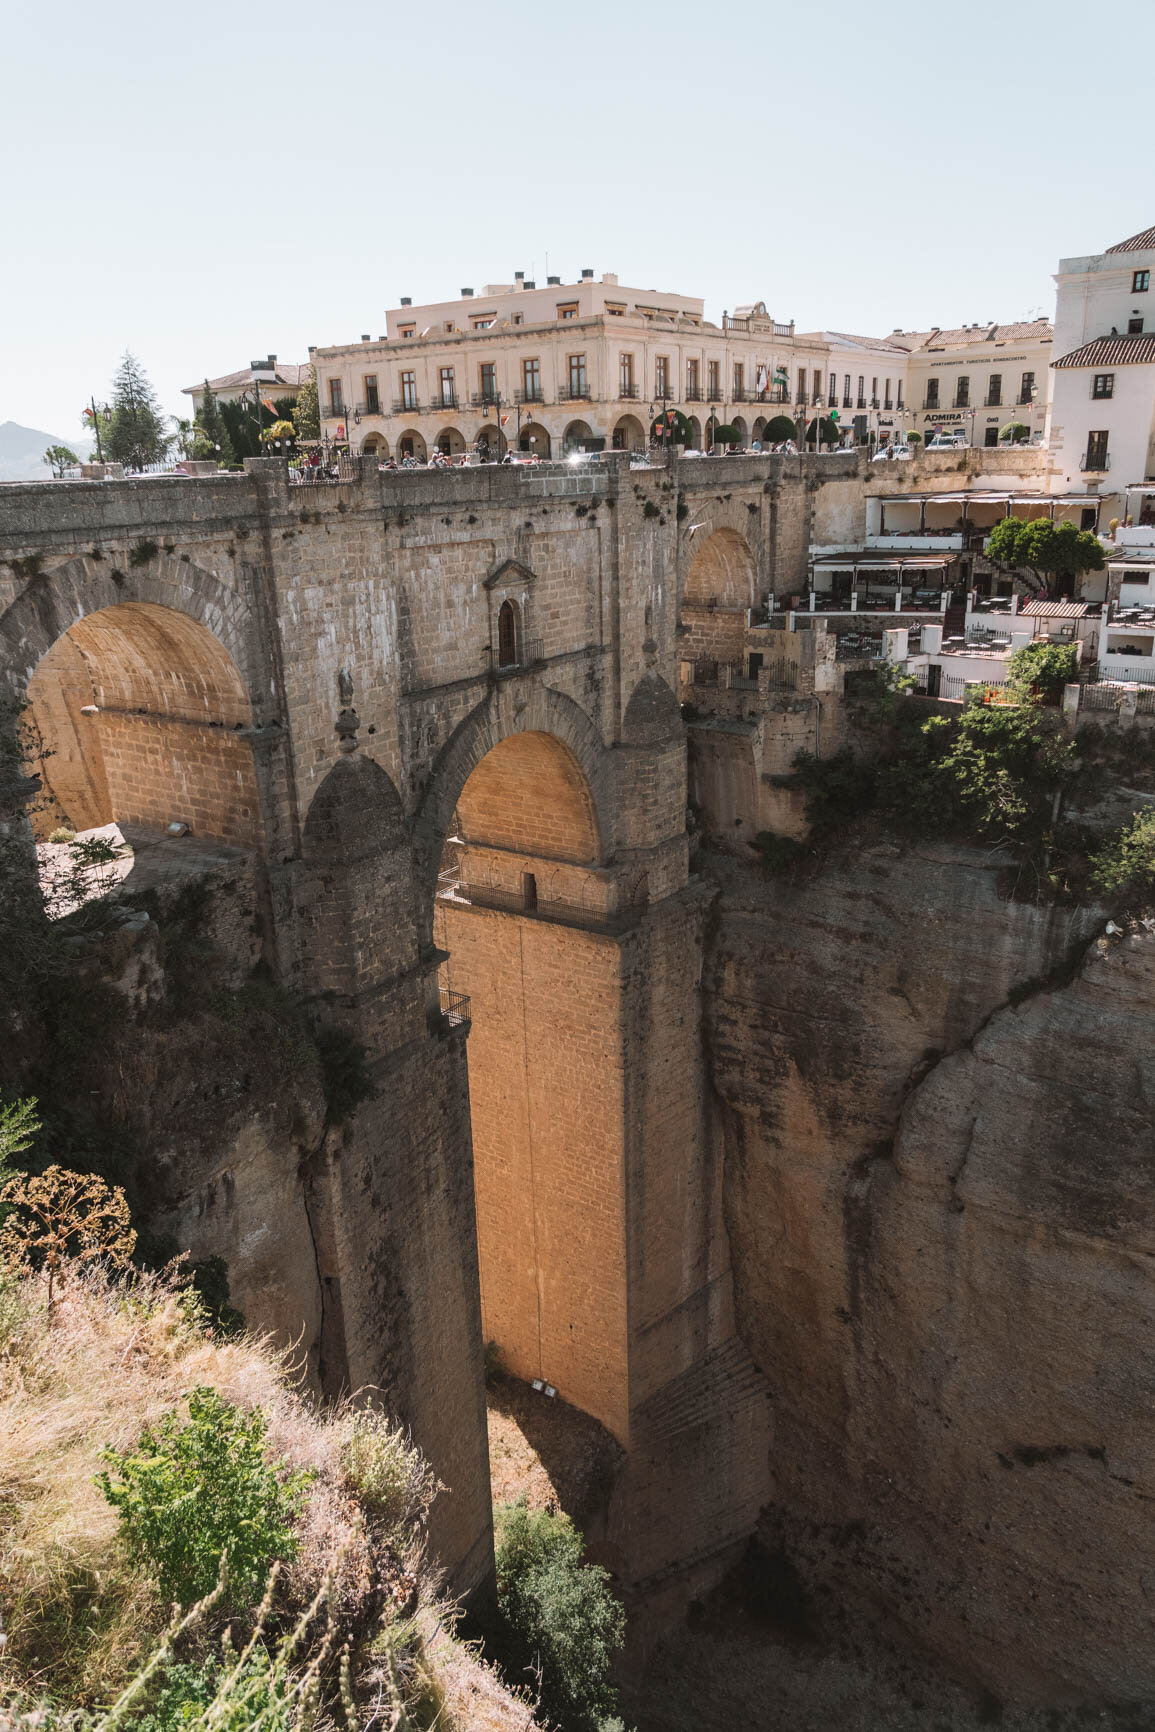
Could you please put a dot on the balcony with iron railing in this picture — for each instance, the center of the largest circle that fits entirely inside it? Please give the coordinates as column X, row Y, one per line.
column 454, row 1006
column 572, row 393
column 993, row 402
column 334, row 411
column 739, row 394
column 530, row 653
column 447, row 400
column 931, row 403
column 1095, row 462
column 848, row 403
column 962, row 403
column 534, row 395
column 861, row 403
column 372, row 406
column 406, row 406
column 693, row 394
column 485, row 399
column 874, row 403
column 887, row 405
column 628, row 390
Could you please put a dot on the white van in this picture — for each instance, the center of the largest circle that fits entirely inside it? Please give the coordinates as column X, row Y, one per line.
column 947, row 442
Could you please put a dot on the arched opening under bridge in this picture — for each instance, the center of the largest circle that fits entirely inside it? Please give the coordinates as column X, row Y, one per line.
column 524, row 918
column 137, row 721
column 720, row 586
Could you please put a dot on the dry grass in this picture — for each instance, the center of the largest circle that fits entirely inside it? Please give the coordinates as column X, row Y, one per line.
column 79, row 1619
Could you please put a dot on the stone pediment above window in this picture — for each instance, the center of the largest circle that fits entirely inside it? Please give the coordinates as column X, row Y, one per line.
column 509, row 574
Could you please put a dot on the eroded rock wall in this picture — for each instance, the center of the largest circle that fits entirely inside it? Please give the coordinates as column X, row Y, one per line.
column 935, row 1108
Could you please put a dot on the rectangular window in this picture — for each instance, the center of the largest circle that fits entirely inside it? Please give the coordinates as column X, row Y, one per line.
column 409, row 390
column 531, row 380
column 801, row 397
column 1103, row 385
column 577, row 376
column 887, row 401
column 336, row 397
column 448, row 388
column 519, row 319
column 739, row 381
column 834, row 390
column 480, row 324
column 991, row 437
column 713, row 374
column 693, row 393
column 569, row 311
column 846, row 403
column 874, row 393
column 1134, row 327
column 1096, row 457
column 1140, row 282
column 661, row 376
column 861, row 391
column 372, row 401
column 994, row 390
column 1027, row 388
column 407, row 330
column 898, row 402
column 932, row 394
column 962, row 394
column 488, row 381
column 626, row 376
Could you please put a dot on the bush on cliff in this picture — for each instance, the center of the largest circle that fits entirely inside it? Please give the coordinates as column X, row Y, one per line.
column 561, row 1618
column 1123, row 871
column 319, row 1516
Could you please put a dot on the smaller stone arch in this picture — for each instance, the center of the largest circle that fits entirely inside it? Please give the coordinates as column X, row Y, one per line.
column 375, row 445
column 758, row 429
column 695, row 433
column 536, row 439
column 739, row 425
column 451, row 442
column 578, row 436
column 411, row 443
column 488, row 442
column 629, row 434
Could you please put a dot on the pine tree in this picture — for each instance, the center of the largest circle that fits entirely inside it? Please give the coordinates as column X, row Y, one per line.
column 136, row 434
column 307, row 412
column 212, row 435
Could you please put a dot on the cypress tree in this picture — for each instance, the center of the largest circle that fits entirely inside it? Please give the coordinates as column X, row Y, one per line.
column 213, row 436
column 137, row 429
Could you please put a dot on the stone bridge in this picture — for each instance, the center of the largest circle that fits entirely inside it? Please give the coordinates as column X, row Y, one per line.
column 439, row 710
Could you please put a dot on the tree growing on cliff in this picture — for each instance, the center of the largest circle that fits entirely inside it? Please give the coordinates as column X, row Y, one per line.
column 1050, row 557
column 137, row 432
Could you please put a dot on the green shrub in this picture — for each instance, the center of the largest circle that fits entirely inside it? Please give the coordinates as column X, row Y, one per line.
column 192, row 1492
column 62, row 834
column 389, row 1476
column 559, row 1614
column 777, row 853
column 1124, row 870
column 1041, row 670
column 254, row 1695
column 778, row 428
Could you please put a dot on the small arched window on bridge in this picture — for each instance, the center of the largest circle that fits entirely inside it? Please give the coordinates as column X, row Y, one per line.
column 507, row 635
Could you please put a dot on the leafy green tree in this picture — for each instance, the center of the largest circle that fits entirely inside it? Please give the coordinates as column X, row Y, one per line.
column 137, row 434
column 914, row 438
column 822, row 427
column 1124, row 869
column 1041, row 670
column 183, row 438
column 1051, row 556
column 560, row 1615
column 306, row 416
column 672, row 428
column 212, row 442
column 245, row 422
column 190, row 1492
column 1014, row 433
column 778, row 428
column 726, row 434
column 59, row 458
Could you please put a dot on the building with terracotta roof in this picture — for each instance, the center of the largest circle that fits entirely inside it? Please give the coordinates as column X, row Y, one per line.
column 270, row 378
column 1101, row 428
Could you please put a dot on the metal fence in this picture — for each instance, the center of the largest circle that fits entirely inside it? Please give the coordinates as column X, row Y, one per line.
column 340, row 467
column 560, row 912
column 858, row 647
column 454, row 1007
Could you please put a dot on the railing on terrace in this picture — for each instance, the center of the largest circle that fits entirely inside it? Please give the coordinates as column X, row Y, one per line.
column 693, row 394
column 447, row 400
column 454, row 1007
column 781, row 674
column 530, row 654
column 1132, row 677
column 537, row 396
column 481, row 399
column 857, row 647
column 574, row 394
column 342, row 467
column 629, row 391
column 406, row 406
column 333, row 411
column 558, row 911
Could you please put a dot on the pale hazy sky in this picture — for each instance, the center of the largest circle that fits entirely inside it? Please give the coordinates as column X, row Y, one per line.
column 204, row 183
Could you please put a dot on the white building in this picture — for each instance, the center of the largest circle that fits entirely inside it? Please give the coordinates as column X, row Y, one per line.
column 866, row 383
column 268, row 378
column 975, row 379
column 1101, row 427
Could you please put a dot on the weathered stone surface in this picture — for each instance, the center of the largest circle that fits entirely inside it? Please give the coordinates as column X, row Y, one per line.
column 940, row 1209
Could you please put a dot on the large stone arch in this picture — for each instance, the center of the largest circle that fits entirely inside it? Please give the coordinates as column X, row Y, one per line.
column 52, row 603
column 722, row 571
column 538, row 709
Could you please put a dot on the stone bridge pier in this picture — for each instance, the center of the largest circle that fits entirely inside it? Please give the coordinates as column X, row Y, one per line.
column 439, row 711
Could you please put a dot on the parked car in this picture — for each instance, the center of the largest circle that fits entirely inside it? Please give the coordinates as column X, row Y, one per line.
column 947, row 442
column 892, row 453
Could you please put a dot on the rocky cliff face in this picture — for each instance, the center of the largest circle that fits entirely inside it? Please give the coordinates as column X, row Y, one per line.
column 935, row 1108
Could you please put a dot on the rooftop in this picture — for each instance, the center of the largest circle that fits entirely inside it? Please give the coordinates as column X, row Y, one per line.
column 1143, row 242
column 962, row 336
column 291, row 374
column 1114, row 351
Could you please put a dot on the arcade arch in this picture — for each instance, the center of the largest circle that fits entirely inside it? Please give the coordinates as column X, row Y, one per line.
column 695, row 433
column 412, row 444
column 629, row 434
column 535, row 438
column 451, row 442
column 375, row 445
column 578, row 436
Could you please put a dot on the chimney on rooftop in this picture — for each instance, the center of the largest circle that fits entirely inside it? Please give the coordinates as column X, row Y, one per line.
column 531, row 285
column 519, row 276
column 587, row 276
column 553, row 280
column 407, row 300
column 466, row 293
column 365, row 337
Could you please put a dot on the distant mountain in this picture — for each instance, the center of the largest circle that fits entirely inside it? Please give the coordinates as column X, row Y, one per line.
column 22, row 451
